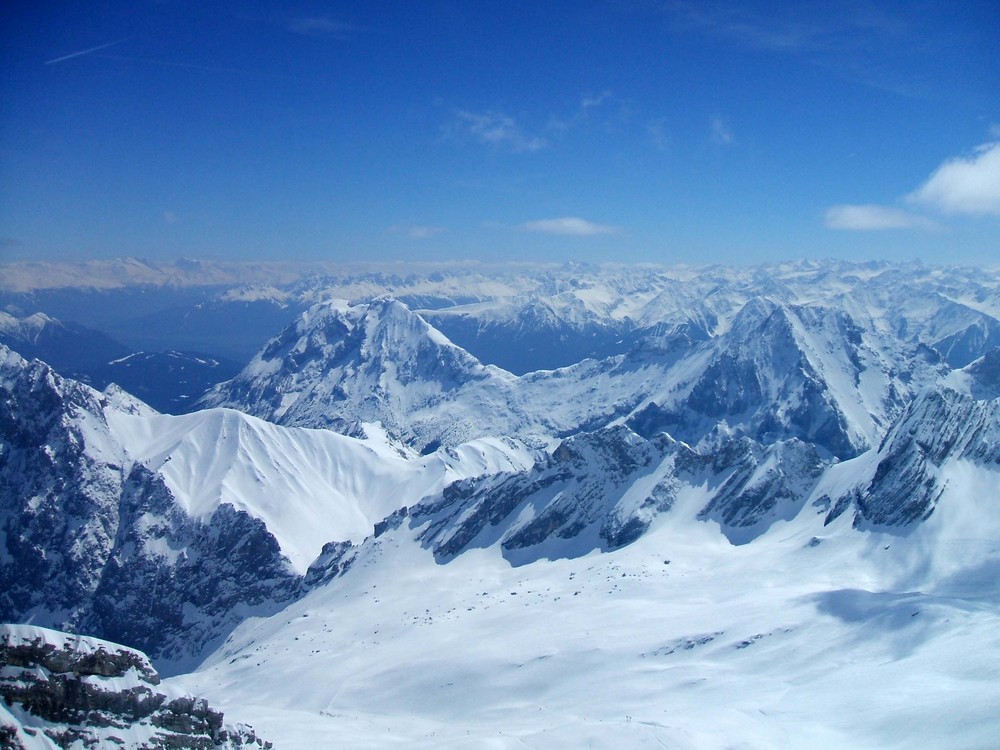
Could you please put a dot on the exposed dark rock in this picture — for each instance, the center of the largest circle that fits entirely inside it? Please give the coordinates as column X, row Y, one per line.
column 95, row 543
column 941, row 425
column 79, row 690
column 765, row 485
column 335, row 559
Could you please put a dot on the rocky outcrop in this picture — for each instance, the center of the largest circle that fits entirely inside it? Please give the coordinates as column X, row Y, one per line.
column 762, row 485
column 91, row 541
column 940, row 426
column 62, row 691
column 602, row 490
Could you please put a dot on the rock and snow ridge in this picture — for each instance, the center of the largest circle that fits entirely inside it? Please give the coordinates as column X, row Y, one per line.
column 61, row 690
column 780, row 371
column 164, row 532
column 342, row 365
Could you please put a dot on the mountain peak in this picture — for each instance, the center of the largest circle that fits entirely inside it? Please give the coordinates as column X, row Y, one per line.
column 342, row 365
column 980, row 378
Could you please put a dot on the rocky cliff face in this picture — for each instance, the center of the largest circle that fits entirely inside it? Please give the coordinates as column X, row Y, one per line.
column 62, row 691
column 940, row 427
column 94, row 542
column 955, row 424
column 602, row 490
column 788, row 371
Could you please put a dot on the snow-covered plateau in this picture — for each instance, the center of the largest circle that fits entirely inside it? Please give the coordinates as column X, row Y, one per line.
column 525, row 507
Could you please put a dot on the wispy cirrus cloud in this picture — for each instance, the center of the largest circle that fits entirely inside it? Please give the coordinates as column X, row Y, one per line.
column 854, row 39
column 569, row 226
column 872, row 217
column 589, row 101
column 720, row 132
column 743, row 25
column 495, row 129
column 964, row 185
column 657, row 135
column 416, row 231
column 791, row 27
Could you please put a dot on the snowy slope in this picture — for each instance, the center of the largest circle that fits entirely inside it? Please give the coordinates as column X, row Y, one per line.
column 104, row 501
column 309, row 487
column 783, row 630
column 785, row 371
column 679, row 639
column 779, row 371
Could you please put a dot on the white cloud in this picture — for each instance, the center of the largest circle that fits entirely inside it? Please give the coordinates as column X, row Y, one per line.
column 417, row 231
column 964, row 185
column 569, row 225
column 657, row 132
column 870, row 217
column 594, row 100
column 721, row 133
column 496, row 129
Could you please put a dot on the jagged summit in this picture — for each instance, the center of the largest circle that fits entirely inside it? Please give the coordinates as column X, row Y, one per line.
column 783, row 371
column 341, row 365
column 104, row 501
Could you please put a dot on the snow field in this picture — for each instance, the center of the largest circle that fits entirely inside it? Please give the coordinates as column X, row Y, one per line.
column 785, row 642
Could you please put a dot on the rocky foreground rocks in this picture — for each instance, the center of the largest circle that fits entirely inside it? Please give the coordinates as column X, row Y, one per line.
column 61, row 691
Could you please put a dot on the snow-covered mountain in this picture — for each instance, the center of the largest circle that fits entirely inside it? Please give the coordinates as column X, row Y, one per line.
column 341, row 366
column 96, row 542
column 784, row 371
column 778, row 372
column 774, row 496
column 164, row 532
column 73, row 349
column 944, row 435
column 517, row 316
column 782, row 631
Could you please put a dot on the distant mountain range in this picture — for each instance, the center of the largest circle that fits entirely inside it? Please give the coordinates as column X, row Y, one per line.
column 374, row 529
column 171, row 381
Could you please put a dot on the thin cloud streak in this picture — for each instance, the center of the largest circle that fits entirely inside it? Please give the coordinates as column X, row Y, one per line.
column 207, row 68
column 569, row 226
column 594, row 100
column 873, row 218
column 848, row 42
column 81, row 53
column 320, row 26
column 416, row 231
column 720, row 132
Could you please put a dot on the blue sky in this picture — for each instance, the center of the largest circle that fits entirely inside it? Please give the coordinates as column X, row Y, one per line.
column 636, row 130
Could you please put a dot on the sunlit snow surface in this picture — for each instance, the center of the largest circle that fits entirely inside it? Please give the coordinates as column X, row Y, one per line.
column 808, row 637
column 308, row 486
